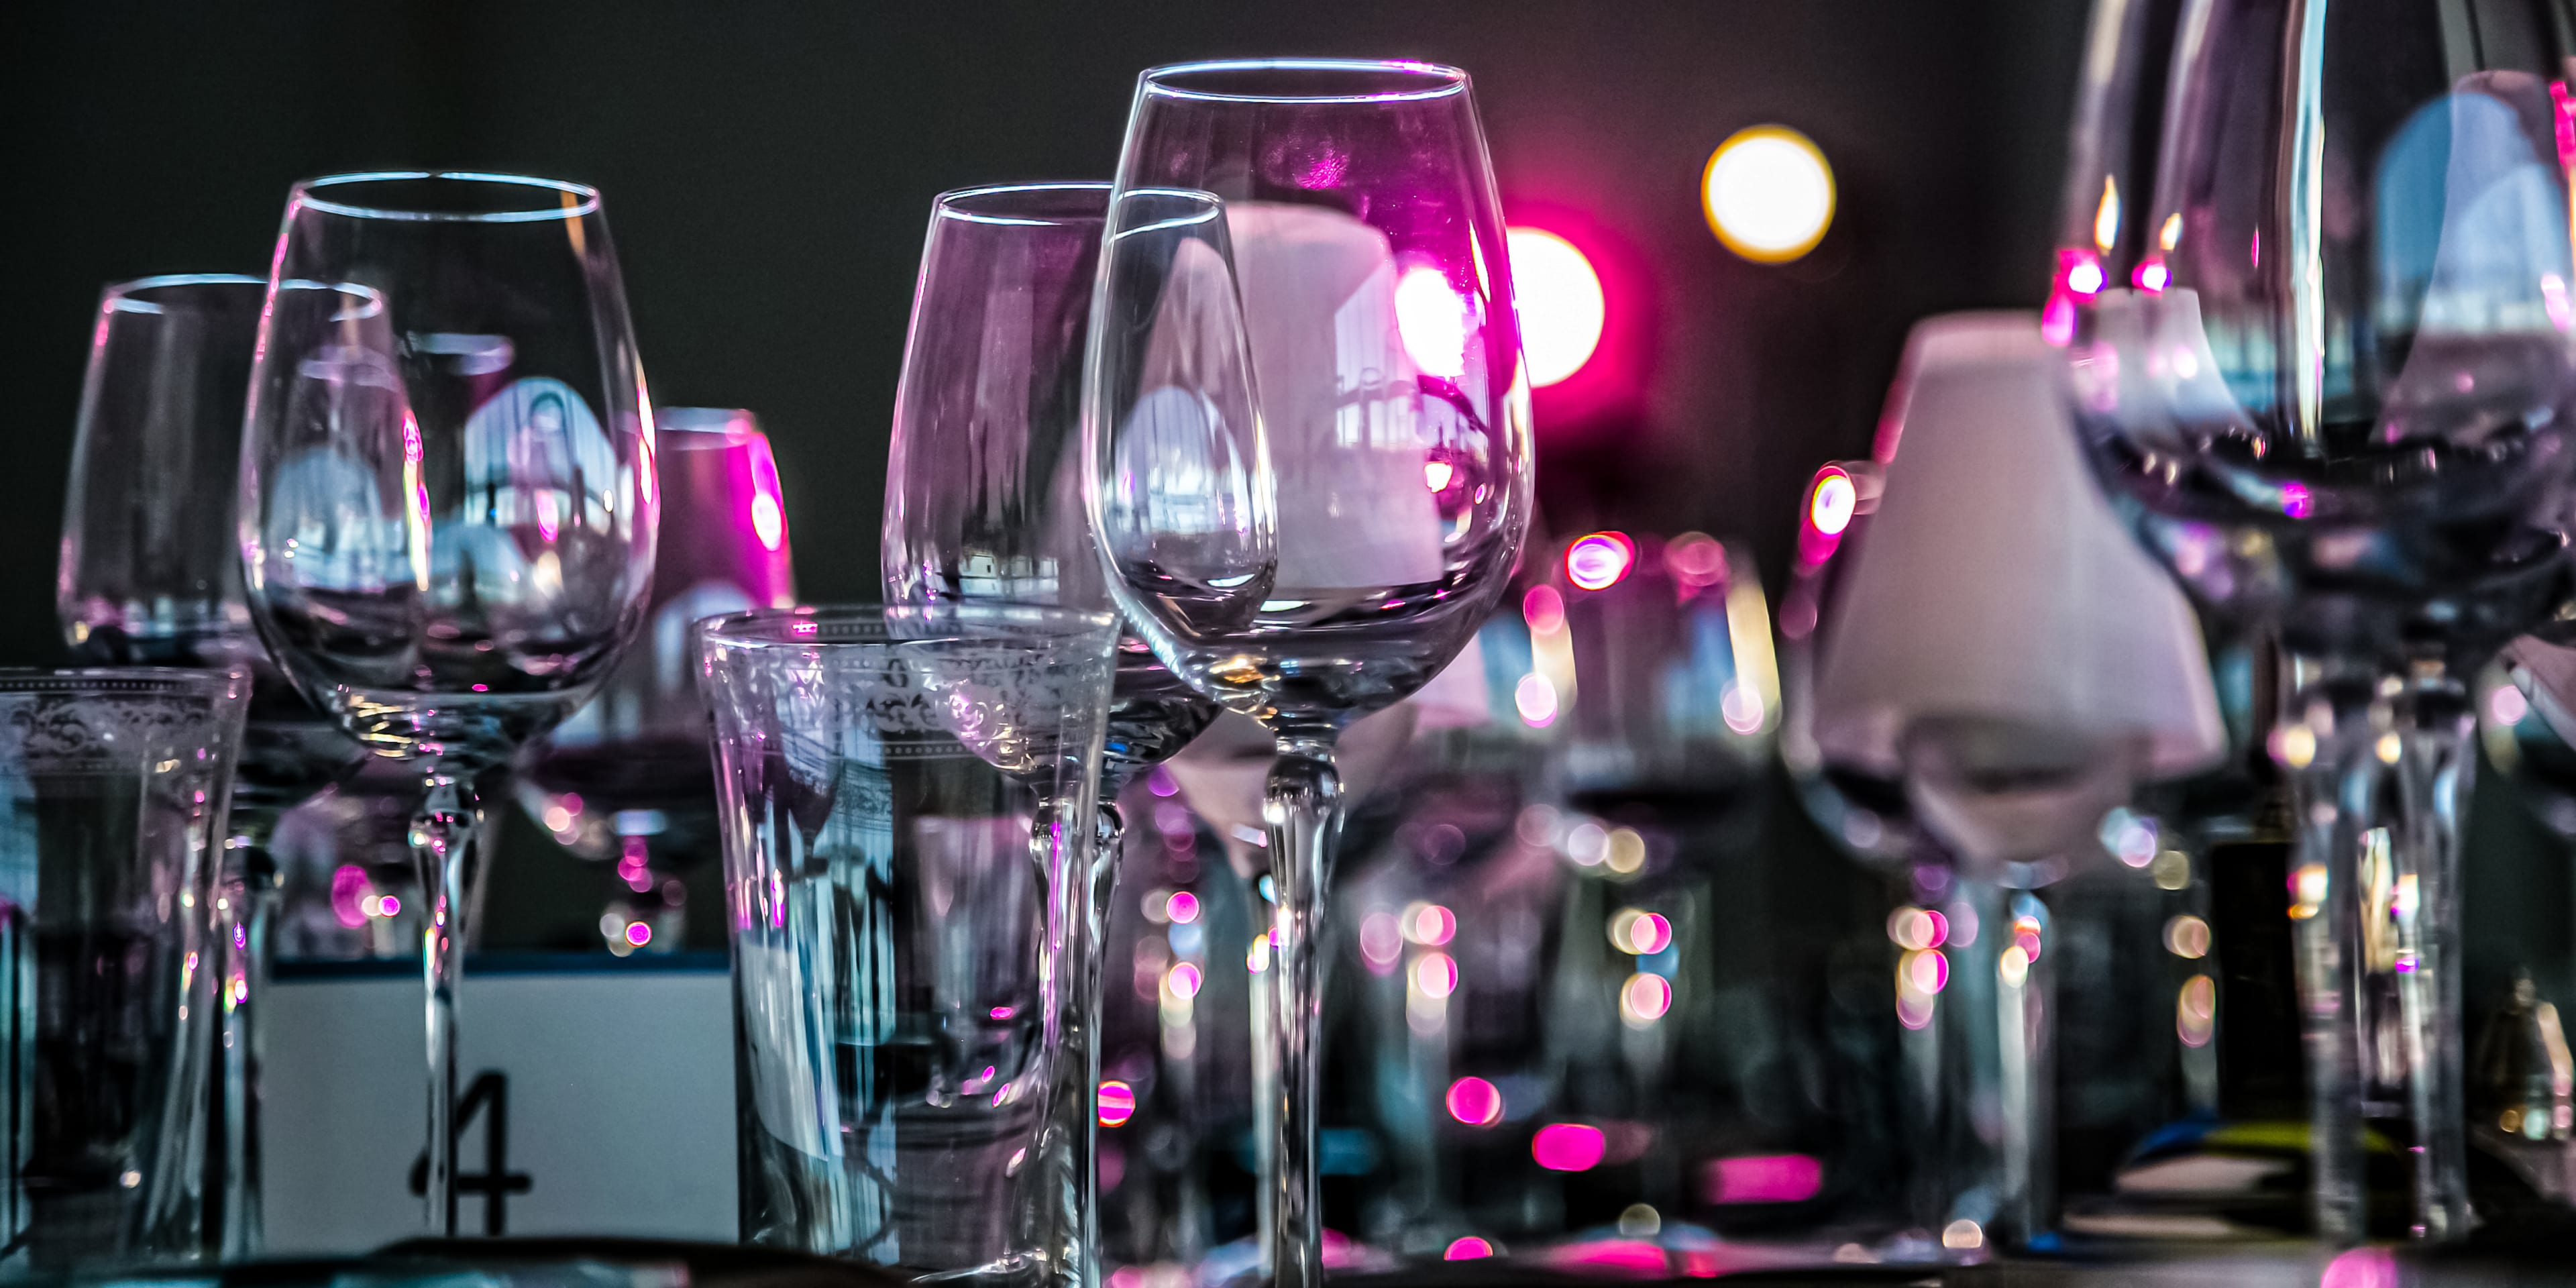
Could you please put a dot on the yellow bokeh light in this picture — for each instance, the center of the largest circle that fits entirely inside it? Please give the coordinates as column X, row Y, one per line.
column 1768, row 194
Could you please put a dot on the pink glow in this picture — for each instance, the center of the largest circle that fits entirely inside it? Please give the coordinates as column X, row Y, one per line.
column 1001, row 1012
column 1469, row 1248
column 1436, row 475
column 1649, row 934
column 2151, row 276
column 1762, row 1178
column 2080, row 272
column 1543, row 609
column 2361, row 1268
column 2057, row 321
column 638, row 933
column 1182, row 907
column 1381, row 941
column 1568, row 1147
column 767, row 522
column 1562, row 309
column 1432, row 321
column 1621, row 1257
column 1600, row 561
column 348, row 888
column 1434, row 925
column 2566, row 118
column 1475, row 1102
column 2296, row 502
column 1184, row 981
column 388, row 906
column 1535, row 698
column 1117, row 1103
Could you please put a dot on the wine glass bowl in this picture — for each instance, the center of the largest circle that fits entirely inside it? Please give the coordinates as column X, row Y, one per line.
column 448, row 508
column 1308, row 517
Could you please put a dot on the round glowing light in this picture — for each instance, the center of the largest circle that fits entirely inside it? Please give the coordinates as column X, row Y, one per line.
column 1962, row 1235
column 2187, row 937
column 1561, row 306
column 1544, row 610
column 1468, row 1248
column 1475, row 1102
column 638, row 933
column 1535, row 698
column 1768, row 194
column 388, row 906
column 1643, row 933
column 1435, row 975
column 1624, row 850
column 1117, row 1103
column 1587, row 843
column 2084, row 277
column 1184, row 981
column 767, row 523
column 1381, row 941
column 1256, row 958
column 371, row 906
column 2013, row 967
column 1832, row 504
column 1182, row 907
column 1568, row 1147
column 1600, row 561
column 1430, row 925
column 2152, row 276
column 1433, row 323
column 2196, row 1011
column 1924, row 971
column 1644, row 999
column 1696, row 559
column 2507, row 706
column 1436, row 475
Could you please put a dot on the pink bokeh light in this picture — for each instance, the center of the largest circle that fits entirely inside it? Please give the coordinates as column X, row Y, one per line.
column 1475, row 1102
column 1762, row 1178
column 1568, row 1147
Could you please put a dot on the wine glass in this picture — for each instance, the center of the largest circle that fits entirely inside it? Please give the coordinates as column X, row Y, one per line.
column 149, row 577
column 984, row 501
column 2313, row 288
column 448, row 504
column 629, row 777
column 1325, row 561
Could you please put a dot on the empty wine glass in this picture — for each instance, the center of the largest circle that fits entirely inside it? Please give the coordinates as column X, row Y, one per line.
column 2313, row 285
column 984, row 501
column 149, row 575
column 1324, row 562
column 447, row 506
column 629, row 777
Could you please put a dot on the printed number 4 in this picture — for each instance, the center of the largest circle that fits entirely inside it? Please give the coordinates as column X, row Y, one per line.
column 490, row 1098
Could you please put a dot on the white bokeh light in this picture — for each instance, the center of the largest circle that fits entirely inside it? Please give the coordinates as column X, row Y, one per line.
column 1561, row 306
column 1769, row 194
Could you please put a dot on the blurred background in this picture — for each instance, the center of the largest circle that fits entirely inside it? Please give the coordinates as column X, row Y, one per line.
column 768, row 171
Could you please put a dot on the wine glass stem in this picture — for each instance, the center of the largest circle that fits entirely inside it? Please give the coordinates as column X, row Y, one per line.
column 1066, row 1222
column 443, row 838
column 1303, row 811
column 2379, row 768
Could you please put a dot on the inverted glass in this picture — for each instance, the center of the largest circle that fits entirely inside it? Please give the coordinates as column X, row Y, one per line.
column 905, row 793
column 448, row 501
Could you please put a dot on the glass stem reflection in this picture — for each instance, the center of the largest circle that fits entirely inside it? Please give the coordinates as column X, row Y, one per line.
column 443, row 836
column 2379, row 766
column 1303, row 812
column 1079, row 886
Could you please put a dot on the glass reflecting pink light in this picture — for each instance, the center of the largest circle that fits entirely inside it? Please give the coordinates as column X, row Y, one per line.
column 348, row 888
column 1475, row 1102
column 1568, row 1147
column 1433, row 323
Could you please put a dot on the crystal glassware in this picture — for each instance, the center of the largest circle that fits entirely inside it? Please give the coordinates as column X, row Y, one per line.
column 1329, row 558
column 2312, row 284
column 448, row 499
column 984, row 501
column 628, row 776
column 150, row 575
column 112, row 785
column 900, row 963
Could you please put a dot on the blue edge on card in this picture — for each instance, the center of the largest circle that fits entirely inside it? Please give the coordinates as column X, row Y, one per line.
column 706, row 961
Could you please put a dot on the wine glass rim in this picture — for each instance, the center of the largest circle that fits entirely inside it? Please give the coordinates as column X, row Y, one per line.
column 1028, row 204
column 864, row 624
column 1419, row 80
column 126, row 297
column 571, row 200
column 705, row 428
column 211, row 682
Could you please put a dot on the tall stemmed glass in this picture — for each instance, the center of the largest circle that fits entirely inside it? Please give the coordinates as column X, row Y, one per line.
column 447, row 499
column 1394, row 436
column 984, row 501
column 2314, row 287
column 149, row 577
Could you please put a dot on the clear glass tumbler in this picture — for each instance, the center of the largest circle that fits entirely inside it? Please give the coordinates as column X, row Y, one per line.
column 906, row 796
column 113, row 786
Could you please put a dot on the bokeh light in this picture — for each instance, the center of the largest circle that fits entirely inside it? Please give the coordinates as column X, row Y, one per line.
column 1467, row 1248
column 1833, row 502
column 1381, row 941
column 1535, row 698
column 1429, row 924
column 1644, row 999
column 1600, row 560
column 2187, row 937
column 1117, row 1103
column 1762, row 1178
column 1561, row 305
column 1182, row 907
column 1568, row 1147
column 1475, row 1102
column 1433, row 322
column 1768, row 194
column 1435, row 975
column 2196, row 1011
